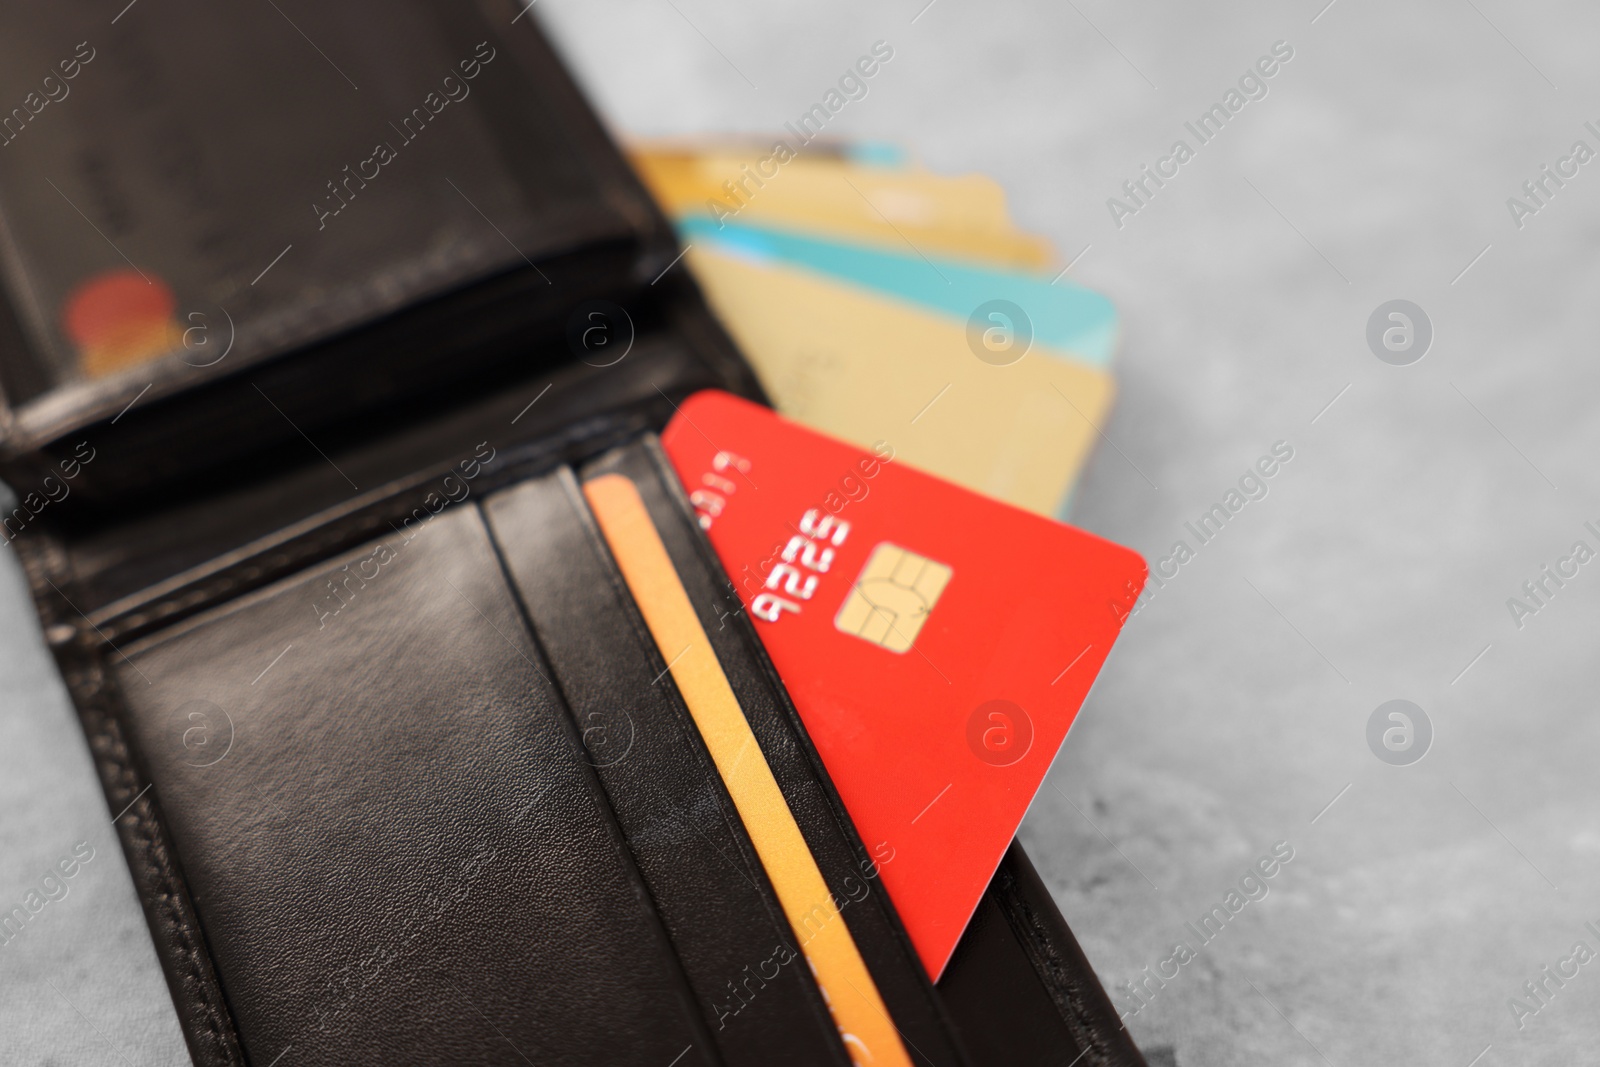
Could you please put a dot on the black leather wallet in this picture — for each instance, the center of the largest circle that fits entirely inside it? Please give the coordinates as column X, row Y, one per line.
column 315, row 321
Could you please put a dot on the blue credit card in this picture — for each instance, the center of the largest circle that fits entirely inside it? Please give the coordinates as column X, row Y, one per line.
column 1062, row 315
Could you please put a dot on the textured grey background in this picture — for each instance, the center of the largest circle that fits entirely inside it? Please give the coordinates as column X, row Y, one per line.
column 1234, row 709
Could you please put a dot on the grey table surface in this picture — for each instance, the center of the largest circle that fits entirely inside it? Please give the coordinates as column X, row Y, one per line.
column 1234, row 713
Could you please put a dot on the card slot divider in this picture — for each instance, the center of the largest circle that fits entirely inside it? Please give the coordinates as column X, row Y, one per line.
column 842, row 829
column 646, row 647
column 745, row 862
column 615, row 833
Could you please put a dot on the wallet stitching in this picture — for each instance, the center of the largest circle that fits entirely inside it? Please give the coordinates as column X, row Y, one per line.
column 198, row 998
column 146, row 831
column 682, row 721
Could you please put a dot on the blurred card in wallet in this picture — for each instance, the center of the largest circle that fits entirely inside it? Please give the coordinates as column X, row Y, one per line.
column 827, row 193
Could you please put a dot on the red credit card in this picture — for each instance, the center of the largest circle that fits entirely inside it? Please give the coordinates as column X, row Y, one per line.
column 936, row 643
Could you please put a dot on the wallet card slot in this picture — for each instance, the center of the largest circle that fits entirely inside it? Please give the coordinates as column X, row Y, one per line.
column 394, row 849
column 847, row 866
column 760, row 1002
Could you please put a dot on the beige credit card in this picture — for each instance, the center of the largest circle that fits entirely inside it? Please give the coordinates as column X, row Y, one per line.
column 866, row 369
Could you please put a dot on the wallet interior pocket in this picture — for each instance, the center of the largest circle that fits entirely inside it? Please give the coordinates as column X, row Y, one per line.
column 392, row 846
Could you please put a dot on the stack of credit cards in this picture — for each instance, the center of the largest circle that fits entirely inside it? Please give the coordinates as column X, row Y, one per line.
column 935, row 628
column 881, row 302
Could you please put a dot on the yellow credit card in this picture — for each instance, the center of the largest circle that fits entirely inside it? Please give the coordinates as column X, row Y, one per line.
column 962, row 217
column 867, row 369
